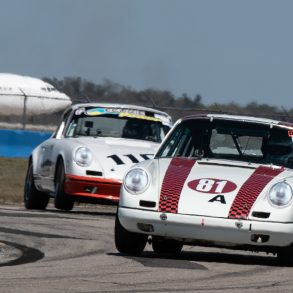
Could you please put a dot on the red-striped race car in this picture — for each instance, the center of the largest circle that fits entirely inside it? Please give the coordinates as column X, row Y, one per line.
column 216, row 180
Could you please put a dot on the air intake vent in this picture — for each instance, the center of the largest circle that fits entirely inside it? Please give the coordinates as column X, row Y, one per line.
column 261, row 215
column 147, row 203
column 94, row 173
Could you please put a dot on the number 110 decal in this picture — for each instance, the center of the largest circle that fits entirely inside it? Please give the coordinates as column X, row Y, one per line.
column 212, row 186
column 120, row 160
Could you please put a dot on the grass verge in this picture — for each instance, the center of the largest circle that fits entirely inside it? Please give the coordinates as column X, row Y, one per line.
column 12, row 176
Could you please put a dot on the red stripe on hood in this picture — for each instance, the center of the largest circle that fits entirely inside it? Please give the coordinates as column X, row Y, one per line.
column 173, row 182
column 250, row 190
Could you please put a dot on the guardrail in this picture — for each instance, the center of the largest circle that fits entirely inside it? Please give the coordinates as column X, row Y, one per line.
column 20, row 143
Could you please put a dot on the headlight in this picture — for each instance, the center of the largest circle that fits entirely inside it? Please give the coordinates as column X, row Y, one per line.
column 83, row 156
column 280, row 194
column 136, row 180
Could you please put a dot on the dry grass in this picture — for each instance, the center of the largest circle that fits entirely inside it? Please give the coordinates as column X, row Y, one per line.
column 12, row 176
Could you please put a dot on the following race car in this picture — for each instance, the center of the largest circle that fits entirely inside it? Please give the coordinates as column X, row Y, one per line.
column 87, row 156
column 216, row 180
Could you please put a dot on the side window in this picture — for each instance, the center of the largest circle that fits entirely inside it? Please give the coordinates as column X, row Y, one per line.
column 176, row 144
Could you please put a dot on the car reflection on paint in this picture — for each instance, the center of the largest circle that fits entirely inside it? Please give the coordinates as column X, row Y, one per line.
column 216, row 180
column 87, row 156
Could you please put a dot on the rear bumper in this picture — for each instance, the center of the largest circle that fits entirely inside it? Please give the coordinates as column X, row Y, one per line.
column 214, row 230
column 88, row 187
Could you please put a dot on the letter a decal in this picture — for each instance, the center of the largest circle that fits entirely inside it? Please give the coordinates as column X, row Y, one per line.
column 220, row 198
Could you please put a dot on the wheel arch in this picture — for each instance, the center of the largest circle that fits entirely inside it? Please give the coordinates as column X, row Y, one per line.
column 58, row 160
column 33, row 159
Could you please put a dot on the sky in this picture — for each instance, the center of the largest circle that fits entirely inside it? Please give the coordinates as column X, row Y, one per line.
column 224, row 50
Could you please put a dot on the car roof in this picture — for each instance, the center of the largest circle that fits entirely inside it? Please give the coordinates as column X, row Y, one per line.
column 240, row 118
column 117, row 105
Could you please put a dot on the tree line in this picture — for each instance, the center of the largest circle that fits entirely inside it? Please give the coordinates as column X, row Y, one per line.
column 81, row 90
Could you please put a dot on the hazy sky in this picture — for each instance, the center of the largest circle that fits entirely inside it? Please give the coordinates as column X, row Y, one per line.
column 225, row 50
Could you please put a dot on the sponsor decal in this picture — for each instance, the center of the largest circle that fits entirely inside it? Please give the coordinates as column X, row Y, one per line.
column 173, row 182
column 128, row 113
column 136, row 116
column 212, row 185
column 100, row 111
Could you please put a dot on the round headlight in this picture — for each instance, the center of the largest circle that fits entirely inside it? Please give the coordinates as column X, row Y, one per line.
column 83, row 156
column 136, row 180
column 281, row 194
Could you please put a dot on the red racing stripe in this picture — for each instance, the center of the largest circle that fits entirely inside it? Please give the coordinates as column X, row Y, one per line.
column 250, row 190
column 173, row 182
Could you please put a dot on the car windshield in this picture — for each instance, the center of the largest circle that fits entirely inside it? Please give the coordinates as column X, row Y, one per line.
column 231, row 140
column 86, row 122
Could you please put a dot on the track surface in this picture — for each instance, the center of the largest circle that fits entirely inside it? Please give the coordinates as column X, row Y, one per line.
column 54, row 251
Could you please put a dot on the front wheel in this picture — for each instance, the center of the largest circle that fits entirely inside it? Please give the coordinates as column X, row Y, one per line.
column 62, row 200
column 166, row 246
column 33, row 199
column 128, row 242
column 285, row 256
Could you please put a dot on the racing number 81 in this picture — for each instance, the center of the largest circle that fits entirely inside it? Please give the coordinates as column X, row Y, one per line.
column 207, row 185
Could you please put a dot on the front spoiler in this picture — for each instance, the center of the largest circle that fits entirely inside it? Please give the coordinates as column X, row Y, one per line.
column 88, row 187
column 192, row 228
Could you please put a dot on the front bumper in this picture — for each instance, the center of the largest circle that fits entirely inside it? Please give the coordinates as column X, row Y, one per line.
column 191, row 228
column 88, row 187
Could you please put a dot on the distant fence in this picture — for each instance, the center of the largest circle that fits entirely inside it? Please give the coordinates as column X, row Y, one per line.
column 20, row 143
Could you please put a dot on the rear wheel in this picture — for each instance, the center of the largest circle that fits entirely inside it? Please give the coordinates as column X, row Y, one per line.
column 62, row 200
column 128, row 242
column 33, row 199
column 166, row 246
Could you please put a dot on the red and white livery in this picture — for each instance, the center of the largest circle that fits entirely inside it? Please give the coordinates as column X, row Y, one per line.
column 217, row 180
column 88, row 154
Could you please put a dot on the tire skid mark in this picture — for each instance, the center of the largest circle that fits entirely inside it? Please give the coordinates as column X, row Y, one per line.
column 243, row 288
column 37, row 234
column 28, row 255
column 53, row 214
column 90, row 253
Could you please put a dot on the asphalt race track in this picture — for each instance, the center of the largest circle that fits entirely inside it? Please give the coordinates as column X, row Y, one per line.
column 55, row 251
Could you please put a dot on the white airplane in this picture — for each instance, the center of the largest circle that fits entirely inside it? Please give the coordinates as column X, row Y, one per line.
column 24, row 95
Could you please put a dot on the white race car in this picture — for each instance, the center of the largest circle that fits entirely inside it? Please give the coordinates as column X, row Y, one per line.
column 87, row 156
column 216, row 180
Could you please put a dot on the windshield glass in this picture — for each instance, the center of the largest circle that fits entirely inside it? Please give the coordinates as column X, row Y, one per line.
column 232, row 140
column 103, row 122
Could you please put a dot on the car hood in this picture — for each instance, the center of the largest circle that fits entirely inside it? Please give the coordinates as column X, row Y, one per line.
column 116, row 155
column 215, row 188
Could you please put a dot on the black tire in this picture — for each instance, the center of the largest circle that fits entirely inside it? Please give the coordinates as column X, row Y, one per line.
column 33, row 198
column 62, row 200
column 285, row 256
column 129, row 242
column 166, row 246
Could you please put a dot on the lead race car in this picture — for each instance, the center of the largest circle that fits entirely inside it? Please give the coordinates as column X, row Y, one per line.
column 86, row 157
column 216, row 180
